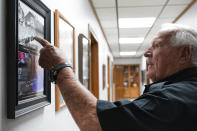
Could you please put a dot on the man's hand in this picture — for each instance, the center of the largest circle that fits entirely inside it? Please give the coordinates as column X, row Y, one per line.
column 50, row 56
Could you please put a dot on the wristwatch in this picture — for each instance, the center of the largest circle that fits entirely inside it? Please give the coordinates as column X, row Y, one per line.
column 55, row 70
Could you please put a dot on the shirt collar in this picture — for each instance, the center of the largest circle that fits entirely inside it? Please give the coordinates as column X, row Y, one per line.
column 176, row 77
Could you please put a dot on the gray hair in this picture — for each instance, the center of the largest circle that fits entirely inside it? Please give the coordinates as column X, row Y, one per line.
column 182, row 35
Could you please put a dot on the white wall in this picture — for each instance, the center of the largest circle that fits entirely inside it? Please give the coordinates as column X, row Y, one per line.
column 79, row 14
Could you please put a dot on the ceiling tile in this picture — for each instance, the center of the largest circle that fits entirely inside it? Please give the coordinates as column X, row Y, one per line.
column 172, row 11
column 127, row 3
column 144, row 48
column 129, row 47
column 116, row 54
column 112, row 39
column 175, row 2
column 115, row 49
column 139, row 53
column 104, row 3
column 137, row 12
column 151, row 35
column 161, row 21
column 136, row 32
column 112, row 32
column 108, row 23
column 106, row 13
column 114, row 46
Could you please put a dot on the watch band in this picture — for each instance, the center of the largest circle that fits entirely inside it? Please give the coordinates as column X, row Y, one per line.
column 55, row 70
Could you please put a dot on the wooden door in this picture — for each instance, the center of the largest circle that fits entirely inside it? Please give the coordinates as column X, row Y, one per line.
column 94, row 64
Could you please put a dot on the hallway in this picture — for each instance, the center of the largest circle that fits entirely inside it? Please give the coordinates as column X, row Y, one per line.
column 103, row 47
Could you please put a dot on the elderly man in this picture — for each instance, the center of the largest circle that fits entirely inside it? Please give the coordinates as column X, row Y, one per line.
column 168, row 104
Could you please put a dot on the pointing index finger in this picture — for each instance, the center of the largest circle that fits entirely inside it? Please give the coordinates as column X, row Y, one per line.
column 43, row 42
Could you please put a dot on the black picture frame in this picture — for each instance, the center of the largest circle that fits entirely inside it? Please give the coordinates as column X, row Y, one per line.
column 84, row 60
column 17, row 104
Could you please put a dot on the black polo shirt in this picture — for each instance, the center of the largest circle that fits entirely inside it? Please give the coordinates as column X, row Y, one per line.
column 166, row 105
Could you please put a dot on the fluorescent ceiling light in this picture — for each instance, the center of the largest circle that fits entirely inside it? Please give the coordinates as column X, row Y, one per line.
column 136, row 22
column 131, row 40
column 128, row 53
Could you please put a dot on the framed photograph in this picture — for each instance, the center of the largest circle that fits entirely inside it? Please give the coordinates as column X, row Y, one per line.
column 65, row 40
column 84, row 59
column 28, row 85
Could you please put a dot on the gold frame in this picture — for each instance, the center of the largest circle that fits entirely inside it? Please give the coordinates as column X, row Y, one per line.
column 58, row 16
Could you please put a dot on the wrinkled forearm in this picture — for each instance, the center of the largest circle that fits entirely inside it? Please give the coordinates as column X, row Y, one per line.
column 81, row 103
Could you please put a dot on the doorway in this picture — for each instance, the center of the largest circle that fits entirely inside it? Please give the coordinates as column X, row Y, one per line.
column 94, row 63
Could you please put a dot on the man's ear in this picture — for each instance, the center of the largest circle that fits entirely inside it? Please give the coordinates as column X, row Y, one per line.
column 185, row 54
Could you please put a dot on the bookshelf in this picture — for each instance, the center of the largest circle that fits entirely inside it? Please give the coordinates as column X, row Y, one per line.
column 127, row 81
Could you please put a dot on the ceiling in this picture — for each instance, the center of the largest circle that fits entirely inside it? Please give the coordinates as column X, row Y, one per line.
column 109, row 11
